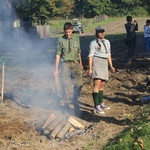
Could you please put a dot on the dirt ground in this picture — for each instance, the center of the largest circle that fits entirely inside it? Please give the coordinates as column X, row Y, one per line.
column 30, row 94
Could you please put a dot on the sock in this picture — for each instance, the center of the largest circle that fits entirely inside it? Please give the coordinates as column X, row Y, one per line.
column 95, row 98
column 100, row 97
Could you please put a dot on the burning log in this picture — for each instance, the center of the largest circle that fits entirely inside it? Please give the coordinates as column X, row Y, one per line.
column 49, row 120
column 71, row 129
column 54, row 123
column 63, row 130
column 75, row 123
column 58, row 128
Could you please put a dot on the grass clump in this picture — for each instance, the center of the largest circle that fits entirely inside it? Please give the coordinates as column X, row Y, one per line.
column 136, row 137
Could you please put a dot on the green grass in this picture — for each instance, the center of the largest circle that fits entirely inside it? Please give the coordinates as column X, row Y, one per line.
column 89, row 24
column 89, row 27
column 137, row 136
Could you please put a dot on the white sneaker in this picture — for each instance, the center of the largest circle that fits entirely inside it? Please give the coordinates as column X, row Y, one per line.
column 97, row 110
column 103, row 106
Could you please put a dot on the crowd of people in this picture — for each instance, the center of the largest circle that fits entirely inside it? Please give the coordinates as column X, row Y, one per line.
column 68, row 63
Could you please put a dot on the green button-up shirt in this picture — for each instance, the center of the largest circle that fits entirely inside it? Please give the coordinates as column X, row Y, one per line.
column 67, row 48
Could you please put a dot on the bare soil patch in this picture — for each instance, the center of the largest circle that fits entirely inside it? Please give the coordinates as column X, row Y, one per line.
column 31, row 96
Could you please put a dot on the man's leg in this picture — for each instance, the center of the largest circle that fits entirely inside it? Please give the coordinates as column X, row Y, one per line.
column 147, row 41
column 76, row 95
column 65, row 79
column 77, row 81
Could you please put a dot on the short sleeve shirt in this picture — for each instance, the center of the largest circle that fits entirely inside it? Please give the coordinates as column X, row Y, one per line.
column 130, row 29
column 104, row 50
column 68, row 48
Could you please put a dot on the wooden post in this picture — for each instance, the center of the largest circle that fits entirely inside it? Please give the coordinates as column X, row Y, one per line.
column 2, row 83
column 3, row 60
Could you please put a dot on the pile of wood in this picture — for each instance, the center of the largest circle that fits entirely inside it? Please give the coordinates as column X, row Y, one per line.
column 57, row 126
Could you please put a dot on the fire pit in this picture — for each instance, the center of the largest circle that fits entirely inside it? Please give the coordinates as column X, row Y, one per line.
column 61, row 127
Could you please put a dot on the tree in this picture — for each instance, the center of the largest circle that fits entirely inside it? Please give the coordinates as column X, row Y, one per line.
column 60, row 8
column 42, row 10
column 37, row 10
column 127, row 7
column 91, row 8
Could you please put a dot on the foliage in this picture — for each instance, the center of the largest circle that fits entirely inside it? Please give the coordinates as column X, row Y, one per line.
column 60, row 8
column 37, row 10
column 129, row 7
column 42, row 10
column 96, row 7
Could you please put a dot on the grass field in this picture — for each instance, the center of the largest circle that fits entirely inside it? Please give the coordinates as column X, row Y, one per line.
column 88, row 24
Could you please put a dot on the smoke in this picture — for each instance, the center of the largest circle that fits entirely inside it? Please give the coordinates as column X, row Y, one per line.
column 30, row 61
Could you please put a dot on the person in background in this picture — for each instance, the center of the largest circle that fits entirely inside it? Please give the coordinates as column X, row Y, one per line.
column 68, row 55
column 147, row 36
column 99, row 58
column 131, row 27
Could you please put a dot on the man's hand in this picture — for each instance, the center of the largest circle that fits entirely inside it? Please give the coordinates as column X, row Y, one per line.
column 56, row 73
column 81, row 68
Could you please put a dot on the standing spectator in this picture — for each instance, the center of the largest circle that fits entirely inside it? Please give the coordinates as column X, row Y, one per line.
column 147, row 35
column 131, row 27
column 99, row 57
column 69, row 56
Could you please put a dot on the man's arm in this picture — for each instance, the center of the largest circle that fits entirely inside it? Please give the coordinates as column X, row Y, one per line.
column 80, row 61
column 56, row 72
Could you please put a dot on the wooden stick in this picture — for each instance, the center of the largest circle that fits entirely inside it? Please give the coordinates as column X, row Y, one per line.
column 71, row 129
column 63, row 130
column 58, row 128
column 2, row 83
column 54, row 123
column 75, row 123
column 49, row 120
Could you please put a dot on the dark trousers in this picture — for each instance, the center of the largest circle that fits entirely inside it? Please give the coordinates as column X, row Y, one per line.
column 147, row 42
column 131, row 49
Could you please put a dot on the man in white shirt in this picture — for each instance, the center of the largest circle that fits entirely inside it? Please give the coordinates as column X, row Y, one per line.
column 147, row 35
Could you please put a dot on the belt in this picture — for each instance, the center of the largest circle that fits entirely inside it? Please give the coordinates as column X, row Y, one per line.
column 70, row 61
column 100, row 57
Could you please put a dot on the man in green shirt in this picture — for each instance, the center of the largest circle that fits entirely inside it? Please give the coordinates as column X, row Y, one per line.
column 68, row 55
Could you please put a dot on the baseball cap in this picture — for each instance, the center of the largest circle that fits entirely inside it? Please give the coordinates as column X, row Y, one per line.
column 99, row 29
